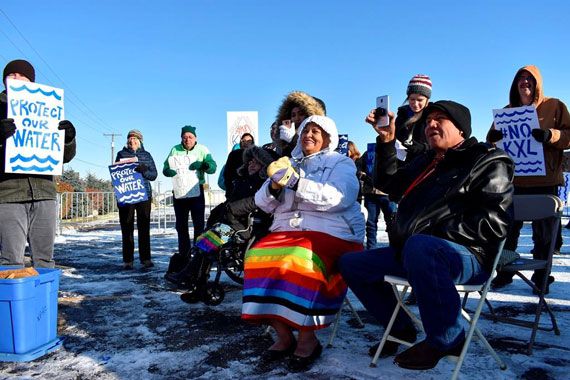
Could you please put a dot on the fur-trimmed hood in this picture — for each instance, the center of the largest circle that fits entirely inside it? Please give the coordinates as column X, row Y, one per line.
column 299, row 99
column 264, row 156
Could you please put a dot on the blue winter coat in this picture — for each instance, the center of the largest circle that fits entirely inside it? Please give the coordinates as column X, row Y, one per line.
column 144, row 157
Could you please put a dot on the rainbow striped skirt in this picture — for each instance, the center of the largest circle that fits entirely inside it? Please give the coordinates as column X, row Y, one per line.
column 292, row 277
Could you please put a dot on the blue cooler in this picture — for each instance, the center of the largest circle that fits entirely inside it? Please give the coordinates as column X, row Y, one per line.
column 28, row 316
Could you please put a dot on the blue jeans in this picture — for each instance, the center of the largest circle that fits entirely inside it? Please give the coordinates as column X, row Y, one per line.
column 432, row 266
column 374, row 203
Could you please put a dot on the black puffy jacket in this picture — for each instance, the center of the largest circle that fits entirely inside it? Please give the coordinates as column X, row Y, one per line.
column 466, row 200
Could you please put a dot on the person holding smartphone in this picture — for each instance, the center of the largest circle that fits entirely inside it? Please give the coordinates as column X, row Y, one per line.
column 409, row 129
column 296, row 107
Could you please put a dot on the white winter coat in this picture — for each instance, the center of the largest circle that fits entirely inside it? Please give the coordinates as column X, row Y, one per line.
column 325, row 199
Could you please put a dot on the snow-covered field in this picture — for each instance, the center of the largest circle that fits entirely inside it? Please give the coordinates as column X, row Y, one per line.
column 131, row 325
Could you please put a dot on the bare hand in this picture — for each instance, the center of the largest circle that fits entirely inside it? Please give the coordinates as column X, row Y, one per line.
column 386, row 134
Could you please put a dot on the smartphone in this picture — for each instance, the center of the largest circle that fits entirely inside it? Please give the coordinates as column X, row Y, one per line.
column 382, row 108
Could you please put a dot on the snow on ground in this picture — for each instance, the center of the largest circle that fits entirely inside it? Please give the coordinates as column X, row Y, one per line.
column 131, row 325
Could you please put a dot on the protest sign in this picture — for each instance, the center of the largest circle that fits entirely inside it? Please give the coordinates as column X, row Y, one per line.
column 342, row 144
column 37, row 145
column 127, row 183
column 241, row 122
column 563, row 190
column 370, row 156
column 185, row 183
column 516, row 125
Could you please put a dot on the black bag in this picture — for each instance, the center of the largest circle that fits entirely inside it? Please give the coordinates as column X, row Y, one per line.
column 177, row 262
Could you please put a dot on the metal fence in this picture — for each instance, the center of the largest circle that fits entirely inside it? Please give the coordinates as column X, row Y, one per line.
column 84, row 208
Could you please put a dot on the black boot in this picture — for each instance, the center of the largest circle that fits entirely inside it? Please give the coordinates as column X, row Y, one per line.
column 197, row 289
column 187, row 276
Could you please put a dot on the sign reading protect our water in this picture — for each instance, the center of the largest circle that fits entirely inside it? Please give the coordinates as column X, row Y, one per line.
column 37, row 145
column 127, row 183
column 516, row 125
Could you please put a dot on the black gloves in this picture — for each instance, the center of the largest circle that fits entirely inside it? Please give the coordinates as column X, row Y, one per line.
column 494, row 135
column 7, row 128
column 69, row 130
column 141, row 168
column 541, row 135
column 199, row 165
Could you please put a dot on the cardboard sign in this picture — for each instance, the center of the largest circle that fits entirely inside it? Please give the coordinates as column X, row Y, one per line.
column 241, row 122
column 127, row 183
column 342, row 144
column 185, row 183
column 37, row 145
column 516, row 125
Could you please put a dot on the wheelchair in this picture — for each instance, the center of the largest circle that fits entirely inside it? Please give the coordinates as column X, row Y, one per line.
column 219, row 250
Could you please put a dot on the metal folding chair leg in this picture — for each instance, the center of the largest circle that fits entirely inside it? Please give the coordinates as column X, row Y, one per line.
column 336, row 322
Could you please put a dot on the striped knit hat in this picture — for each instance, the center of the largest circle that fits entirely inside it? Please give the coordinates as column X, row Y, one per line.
column 135, row 133
column 419, row 84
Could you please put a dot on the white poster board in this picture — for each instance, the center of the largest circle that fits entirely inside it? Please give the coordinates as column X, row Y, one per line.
column 37, row 145
column 240, row 122
column 185, row 183
column 527, row 153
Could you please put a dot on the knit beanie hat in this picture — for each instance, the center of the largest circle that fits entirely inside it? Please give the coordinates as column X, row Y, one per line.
column 188, row 128
column 458, row 114
column 135, row 133
column 22, row 67
column 419, row 84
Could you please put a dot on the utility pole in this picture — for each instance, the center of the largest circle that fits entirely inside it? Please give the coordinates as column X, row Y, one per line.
column 112, row 144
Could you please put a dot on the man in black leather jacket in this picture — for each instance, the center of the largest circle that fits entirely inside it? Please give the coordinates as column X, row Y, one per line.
column 454, row 210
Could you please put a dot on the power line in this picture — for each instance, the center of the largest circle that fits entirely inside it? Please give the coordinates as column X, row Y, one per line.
column 67, row 88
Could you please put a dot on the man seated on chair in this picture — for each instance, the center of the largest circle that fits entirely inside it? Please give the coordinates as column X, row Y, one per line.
column 453, row 214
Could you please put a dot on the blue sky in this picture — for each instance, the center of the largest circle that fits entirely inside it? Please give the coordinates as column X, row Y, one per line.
column 157, row 66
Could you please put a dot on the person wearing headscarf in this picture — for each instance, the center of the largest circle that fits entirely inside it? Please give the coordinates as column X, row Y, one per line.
column 290, row 276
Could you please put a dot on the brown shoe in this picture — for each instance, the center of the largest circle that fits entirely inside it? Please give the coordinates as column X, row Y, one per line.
column 147, row 264
column 424, row 356
column 128, row 266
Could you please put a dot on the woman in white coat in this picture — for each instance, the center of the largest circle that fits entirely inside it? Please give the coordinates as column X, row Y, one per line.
column 291, row 279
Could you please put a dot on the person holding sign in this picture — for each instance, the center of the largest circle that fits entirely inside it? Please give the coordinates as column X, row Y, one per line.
column 554, row 135
column 27, row 201
column 134, row 151
column 186, row 164
column 437, row 240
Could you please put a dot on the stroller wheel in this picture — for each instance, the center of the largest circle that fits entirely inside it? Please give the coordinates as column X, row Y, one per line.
column 214, row 294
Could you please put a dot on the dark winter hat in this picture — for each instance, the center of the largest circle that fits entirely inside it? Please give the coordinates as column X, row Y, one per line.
column 135, row 133
column 188, row 128
column 262, row 155
column 458, row 114
column 22, row 67
column 419, row 84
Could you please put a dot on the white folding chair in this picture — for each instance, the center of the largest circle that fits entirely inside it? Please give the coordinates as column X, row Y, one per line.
column 482, row 289
column 531, row 208
column 337, row 319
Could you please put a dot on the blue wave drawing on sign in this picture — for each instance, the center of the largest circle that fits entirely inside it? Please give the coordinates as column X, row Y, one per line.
column 529, row 170
column 33, row 167
column 529, row 163
column 123, row 165
column 24, row 87
column 34, row 157
column 514, row 113
column 131, row 197
column 514, row 120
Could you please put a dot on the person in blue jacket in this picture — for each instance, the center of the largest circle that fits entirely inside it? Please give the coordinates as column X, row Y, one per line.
column 135, row 148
